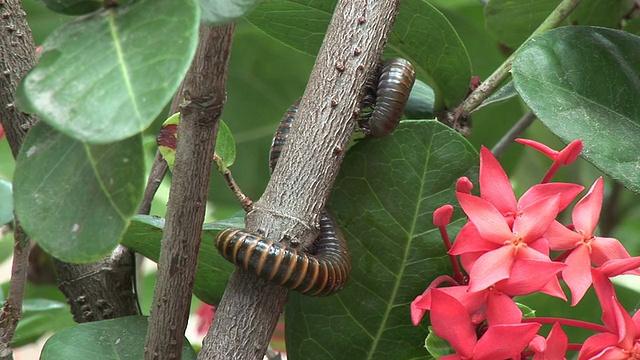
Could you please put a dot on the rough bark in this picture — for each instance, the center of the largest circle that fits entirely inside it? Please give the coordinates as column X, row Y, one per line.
column 101, row 290
column 17, row 56
column 203, row 96
column 306, row 170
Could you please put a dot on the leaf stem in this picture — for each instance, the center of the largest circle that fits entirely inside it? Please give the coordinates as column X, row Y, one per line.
column 513, row 133
column 485, row 89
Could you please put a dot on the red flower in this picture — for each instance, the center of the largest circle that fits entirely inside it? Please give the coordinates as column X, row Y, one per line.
column 586, row 248
column 553, row 347
column 451, row 322
column 523, row 241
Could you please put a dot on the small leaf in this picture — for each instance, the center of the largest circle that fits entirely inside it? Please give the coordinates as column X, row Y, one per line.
column 215, row 12
column 35, row 305
column 527, row 312
column 75, row 199
column 437, row 346
column 560, row 76
column 6, row 202
column 106, row 77
column 505, row 93
column 395, row 248
column 121, row 338
column 168, row 139
column 144, row 236
column 421, row 102
column 225, row 146
column 73, row 7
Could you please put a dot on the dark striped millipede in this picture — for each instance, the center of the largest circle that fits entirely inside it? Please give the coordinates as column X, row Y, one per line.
column 326, row 268
column 391, row 94
column 323, row 271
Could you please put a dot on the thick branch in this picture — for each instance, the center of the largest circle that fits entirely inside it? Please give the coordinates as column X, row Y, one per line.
column 305, row 173
column 203, row 96
column 17, row 56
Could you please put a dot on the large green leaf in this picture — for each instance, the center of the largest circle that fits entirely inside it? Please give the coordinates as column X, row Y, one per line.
column 384, row 198
column 106, row 77
column 73, row 7
column 144, row 235
column 117, row 339
column 584, row 83
column 75, row 199
column 421, row 34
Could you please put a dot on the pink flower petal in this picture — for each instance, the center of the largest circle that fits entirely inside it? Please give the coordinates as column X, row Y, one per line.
column 489, row 222
column 451, row 322
column 536, row 218
column 494, row 183
column 557, row 343
column 595, row 344
column 469, row 240
column 603, row 249
column 561, row 238
column 520, row 281
column 586, row 213
column 490, row 268
column 504, row 341
column 567, row 192
column 615, row 267
column 464, row 185
column 578, row 273
column 501, row 309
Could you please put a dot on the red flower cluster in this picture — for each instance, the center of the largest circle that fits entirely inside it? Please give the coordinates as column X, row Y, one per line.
column 505, row 247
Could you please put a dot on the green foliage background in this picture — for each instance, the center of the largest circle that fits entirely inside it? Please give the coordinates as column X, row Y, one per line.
column 266, row 76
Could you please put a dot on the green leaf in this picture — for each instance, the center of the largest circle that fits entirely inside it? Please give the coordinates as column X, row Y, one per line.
column 215, row 12
column 421, row 34
column 75, row 199
column 72, row 7
column 41, row 317
column 225, row 146
column 512, row 21
column 121, row 338
column 505, row 93
column 560, row 75
column 144, row 236
column 420, row 104
column 6, row 202
column 106, row 77
column 168, row 141
column 384, row 199
column 437, row 346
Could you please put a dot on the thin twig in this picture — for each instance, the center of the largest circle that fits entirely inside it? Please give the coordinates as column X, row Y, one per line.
column 520, row 126
column 488, row 86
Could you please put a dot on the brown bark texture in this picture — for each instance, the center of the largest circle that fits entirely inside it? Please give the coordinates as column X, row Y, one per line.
column 203, row 96
column 307, row 168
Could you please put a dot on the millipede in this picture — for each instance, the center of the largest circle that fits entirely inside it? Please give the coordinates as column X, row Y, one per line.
column 392, row 92
column 323, row 271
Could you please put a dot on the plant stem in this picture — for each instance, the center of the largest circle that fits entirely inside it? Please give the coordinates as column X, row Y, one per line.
column 482, row 92
column 521, row 125
column 307, row 168
column 203, row 94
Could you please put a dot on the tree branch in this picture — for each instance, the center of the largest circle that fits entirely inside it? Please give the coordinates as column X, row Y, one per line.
column 17, row 56
column 203, row 94
column 306, row 170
